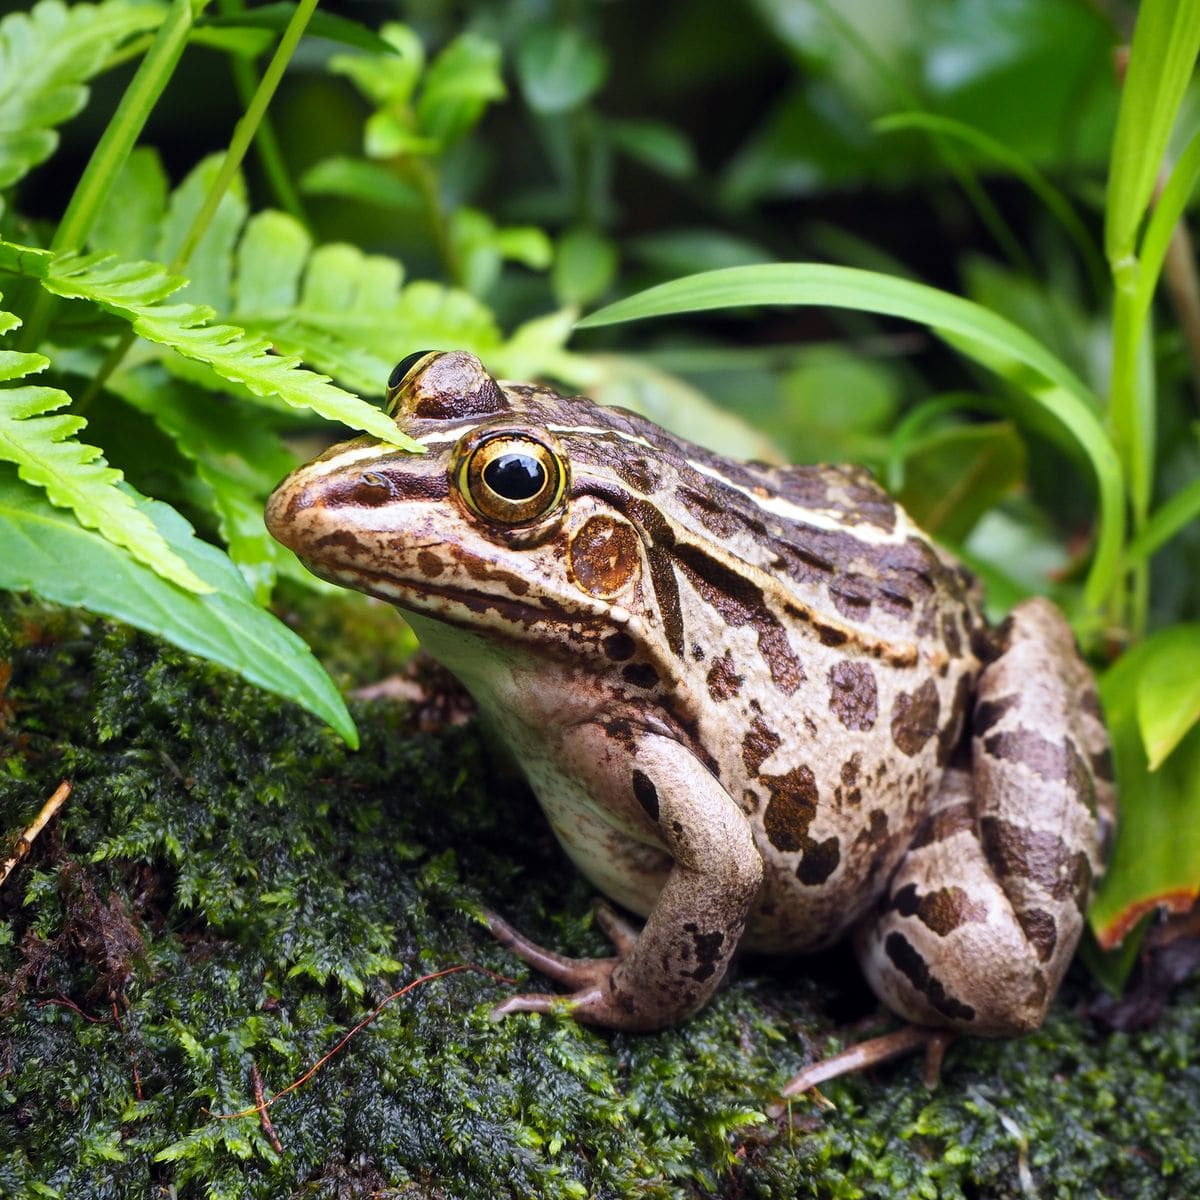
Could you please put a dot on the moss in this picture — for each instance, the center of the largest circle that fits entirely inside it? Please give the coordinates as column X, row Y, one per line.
column 228, row 890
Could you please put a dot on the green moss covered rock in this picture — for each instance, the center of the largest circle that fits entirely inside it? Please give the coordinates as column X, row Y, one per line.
column 228, row 890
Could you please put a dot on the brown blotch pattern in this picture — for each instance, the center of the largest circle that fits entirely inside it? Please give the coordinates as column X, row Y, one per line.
column 619, row 646
column 853, row 695
column 1051, row 761
column 942, row 911
column 604, row 555
column 724, row 682
column 819, row 862
column 915, row 718
column 910, row 963
column 1039, row 856
column 758, row 744
column 1041, row 930
column 943, row 824
column 641, row 675
column 791, row 808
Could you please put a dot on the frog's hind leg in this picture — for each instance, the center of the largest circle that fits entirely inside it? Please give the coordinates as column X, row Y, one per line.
column 984, row 911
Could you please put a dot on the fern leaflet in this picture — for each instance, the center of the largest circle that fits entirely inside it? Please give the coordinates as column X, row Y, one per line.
column 46, row 56
column 41, row 442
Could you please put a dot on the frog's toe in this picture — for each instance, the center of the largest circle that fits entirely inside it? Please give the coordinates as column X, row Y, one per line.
column 579, row 974
column 577, row 1004
column 614, row 927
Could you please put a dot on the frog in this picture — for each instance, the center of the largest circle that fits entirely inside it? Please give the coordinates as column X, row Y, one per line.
column 759, row 707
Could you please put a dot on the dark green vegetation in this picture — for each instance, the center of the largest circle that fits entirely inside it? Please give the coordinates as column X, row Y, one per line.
column 240, row 889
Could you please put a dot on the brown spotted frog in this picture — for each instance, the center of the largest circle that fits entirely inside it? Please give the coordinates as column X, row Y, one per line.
column 759, row 707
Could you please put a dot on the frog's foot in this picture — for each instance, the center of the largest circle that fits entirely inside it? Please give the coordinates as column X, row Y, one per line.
column 877, row 1050
column 589, row 980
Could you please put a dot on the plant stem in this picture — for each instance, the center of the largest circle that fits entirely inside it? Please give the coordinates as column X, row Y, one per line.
column 239, row 144
column 113, row 149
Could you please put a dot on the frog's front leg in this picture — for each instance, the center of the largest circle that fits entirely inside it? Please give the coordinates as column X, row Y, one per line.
column 670, row 969
column 983, row 913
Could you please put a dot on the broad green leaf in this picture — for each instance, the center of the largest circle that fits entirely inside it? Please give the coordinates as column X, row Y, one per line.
column 45, row 551
column 459, row 84
column 971, row 329
column 321, row 24
column 1168, row 691
column 137, row 292
column 584, row 266
column 482, row 247
column 46, row 57
column 1156, row 859
column 1166, row 40
column 41, row 443
column 655, row 144
column 955, row 475
column 357, row 179
column 385, row 79
column 559, row 67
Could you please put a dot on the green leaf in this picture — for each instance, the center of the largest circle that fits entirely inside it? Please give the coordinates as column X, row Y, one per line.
column 584, row 267
column 1168, row 691
column 321, row 24
column 458, row 86
column 128, row 221
column 46, row 56
column 354, row 179
column 137, row 292
column 1166, row 40
column 1167, row 520
column 655, row 144
column 971, row 329
column 955, row 475
column 1156, row 859
column 559, row 68
column 42, row 444
column 385, row 78
column 44, row 551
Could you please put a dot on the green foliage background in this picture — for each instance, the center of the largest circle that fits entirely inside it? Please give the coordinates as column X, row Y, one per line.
column 223, row 222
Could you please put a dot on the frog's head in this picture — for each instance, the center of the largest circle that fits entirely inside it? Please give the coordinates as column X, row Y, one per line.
column 510, row 524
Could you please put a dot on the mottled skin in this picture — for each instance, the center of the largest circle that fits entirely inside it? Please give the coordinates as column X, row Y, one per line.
column 756, row 704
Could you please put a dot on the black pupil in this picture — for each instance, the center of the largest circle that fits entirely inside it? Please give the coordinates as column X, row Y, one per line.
column 515, row 476
column 402, row 368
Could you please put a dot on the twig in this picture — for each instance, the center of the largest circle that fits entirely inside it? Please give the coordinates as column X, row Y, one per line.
column 261, row 1105
column 25, row 841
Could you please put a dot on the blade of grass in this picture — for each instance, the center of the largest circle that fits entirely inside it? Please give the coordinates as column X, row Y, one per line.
column 1070, row 401
column 1012, row 160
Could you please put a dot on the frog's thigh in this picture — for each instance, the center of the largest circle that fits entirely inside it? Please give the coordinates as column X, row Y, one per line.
column 690, row 935
column 984, row 911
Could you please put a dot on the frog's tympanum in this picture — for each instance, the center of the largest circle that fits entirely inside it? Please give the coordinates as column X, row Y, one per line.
column 758, row 706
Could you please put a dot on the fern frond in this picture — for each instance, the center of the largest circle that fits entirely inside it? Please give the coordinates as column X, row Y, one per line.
column 137, row 291
column 46, row 57
column 42, row 444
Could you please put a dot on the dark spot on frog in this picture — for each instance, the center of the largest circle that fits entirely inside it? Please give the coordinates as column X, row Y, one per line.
column 910, row 963
column 1102, row 765
column 1034, row 854
column 698, row 652
column 749, row 801
column 638, row 472
column 707, row 951
column 604, row 555
column 641, row 675
column 951, row 635
column 819, row 862
column 429, row 564
column 343, row 539
column 943, row 824
column 853, row 695
column 676, row 828
column 619, row 646
column 791, row 808
column 915, row 718
column 851, row 768
column 724, row 682
column 646, row 793
column 758, row 745
column 989, row 712
column 851, row 595
column 1089, row 701
column 942, row 911
column 1041, row 930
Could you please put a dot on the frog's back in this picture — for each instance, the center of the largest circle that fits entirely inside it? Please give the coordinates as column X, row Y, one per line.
column 822, row 651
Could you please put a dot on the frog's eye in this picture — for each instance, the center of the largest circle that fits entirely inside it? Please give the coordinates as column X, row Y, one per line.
column 512, row 479
column 400, row 372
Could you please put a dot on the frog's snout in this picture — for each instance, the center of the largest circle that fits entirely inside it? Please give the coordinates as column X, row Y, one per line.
column 284, row 504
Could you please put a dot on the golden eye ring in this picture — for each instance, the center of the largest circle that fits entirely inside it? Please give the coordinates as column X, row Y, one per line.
column 511, row 478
